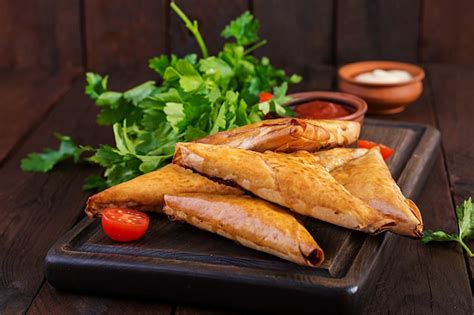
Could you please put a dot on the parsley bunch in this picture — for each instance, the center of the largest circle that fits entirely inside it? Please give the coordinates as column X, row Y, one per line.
column 465, row 214
column 197, row 97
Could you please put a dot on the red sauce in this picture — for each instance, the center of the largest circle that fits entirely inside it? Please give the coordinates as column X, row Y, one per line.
column 321, row 110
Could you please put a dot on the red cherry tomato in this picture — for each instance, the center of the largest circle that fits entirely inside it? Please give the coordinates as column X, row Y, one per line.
column 124, row 225
column 384, row 150
column 264, row 97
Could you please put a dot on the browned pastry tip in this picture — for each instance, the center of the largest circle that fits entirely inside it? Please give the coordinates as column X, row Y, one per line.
column 249, row 221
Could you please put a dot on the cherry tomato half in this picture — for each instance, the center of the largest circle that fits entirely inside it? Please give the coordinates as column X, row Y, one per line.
column 384, row 150
column 264, row 97
column 124, row 225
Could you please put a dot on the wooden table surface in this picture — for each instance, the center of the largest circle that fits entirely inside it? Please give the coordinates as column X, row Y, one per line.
column 38, row 208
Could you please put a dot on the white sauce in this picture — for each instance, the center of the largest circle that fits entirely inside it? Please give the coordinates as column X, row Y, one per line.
column 384, row 76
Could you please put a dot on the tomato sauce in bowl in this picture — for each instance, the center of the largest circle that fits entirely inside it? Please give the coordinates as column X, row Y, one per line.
column 318, row 109
column 327, row 105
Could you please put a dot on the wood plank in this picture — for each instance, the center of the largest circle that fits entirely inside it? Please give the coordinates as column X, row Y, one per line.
column 377, row 29
column 52, row 301
column 453, row 95
column 124, row 34
column 38, row 208
column 316, row 77
column 447, row 31
column 212, row 17
column 26, row 98
column 299, row 33
column 40, row 34
column 426, row 278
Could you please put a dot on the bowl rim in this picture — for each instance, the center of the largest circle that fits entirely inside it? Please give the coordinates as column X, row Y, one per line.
column 417, row 72
column 360, row 109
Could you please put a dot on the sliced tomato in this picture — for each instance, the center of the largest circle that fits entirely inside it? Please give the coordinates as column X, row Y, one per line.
column 124, row 225
column 384, row 150
column 264, row 97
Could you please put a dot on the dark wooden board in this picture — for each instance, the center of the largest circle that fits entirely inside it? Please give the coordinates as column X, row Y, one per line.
column 299, row 33
column 124, row 34
column 40, row 34
column 453, row 95
column 53, row 301
column 176, row 261
column 377, row 29
column 26, row 97
column 447, row 31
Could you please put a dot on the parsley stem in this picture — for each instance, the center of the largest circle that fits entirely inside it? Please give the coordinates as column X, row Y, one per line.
column 193, row 27
column 466, row 248
column 255, row 46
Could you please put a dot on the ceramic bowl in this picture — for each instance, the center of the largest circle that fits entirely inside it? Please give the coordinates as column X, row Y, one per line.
column 382, row 98
column 357, row 106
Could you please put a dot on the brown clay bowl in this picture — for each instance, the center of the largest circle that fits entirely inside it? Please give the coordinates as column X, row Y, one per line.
column 354, row 104
column 382, row 98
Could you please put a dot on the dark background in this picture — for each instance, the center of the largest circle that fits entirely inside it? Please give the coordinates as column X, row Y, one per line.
column 104, row 35
column 47, row 45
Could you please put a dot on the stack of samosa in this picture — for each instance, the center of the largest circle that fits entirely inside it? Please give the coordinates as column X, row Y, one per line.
column 244, row 184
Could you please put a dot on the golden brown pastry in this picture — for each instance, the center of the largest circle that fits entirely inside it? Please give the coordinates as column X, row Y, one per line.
column 249, row 221
column 369, row 178
column 301, row 185
column 332, row 158
column 288, row 135
column 146, row 192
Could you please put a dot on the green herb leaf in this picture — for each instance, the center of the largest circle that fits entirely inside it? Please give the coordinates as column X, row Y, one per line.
column 244, row 29
column 110, row 99
column 438, row 236
column 44, row 162
column 96, row 85
column 190, row 80
column 174, row 114
column 159, row 64
column 465, row 216
column 139, row 93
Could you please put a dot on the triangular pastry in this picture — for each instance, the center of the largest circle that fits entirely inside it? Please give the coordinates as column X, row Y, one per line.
column 304, row 187
column 252, row 222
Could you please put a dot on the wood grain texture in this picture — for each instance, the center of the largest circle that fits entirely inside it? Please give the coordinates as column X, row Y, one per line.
column 37, row 203
column 299, row 33
column 316, row 77
column 52, row 301
column 419, row 278
column 448, row 30
column 453, row 98
column 377, row 29
column 40, row 34
column 124, row 33
column 41, row 203
column 26, row 98
column 453, row 95
column 212, row 16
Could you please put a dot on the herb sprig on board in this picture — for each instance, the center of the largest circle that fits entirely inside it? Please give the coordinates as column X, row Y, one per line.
column 197, row 97
column 465, row 215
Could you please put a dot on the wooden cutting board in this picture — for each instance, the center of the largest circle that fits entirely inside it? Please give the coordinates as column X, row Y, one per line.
column 178, row 262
